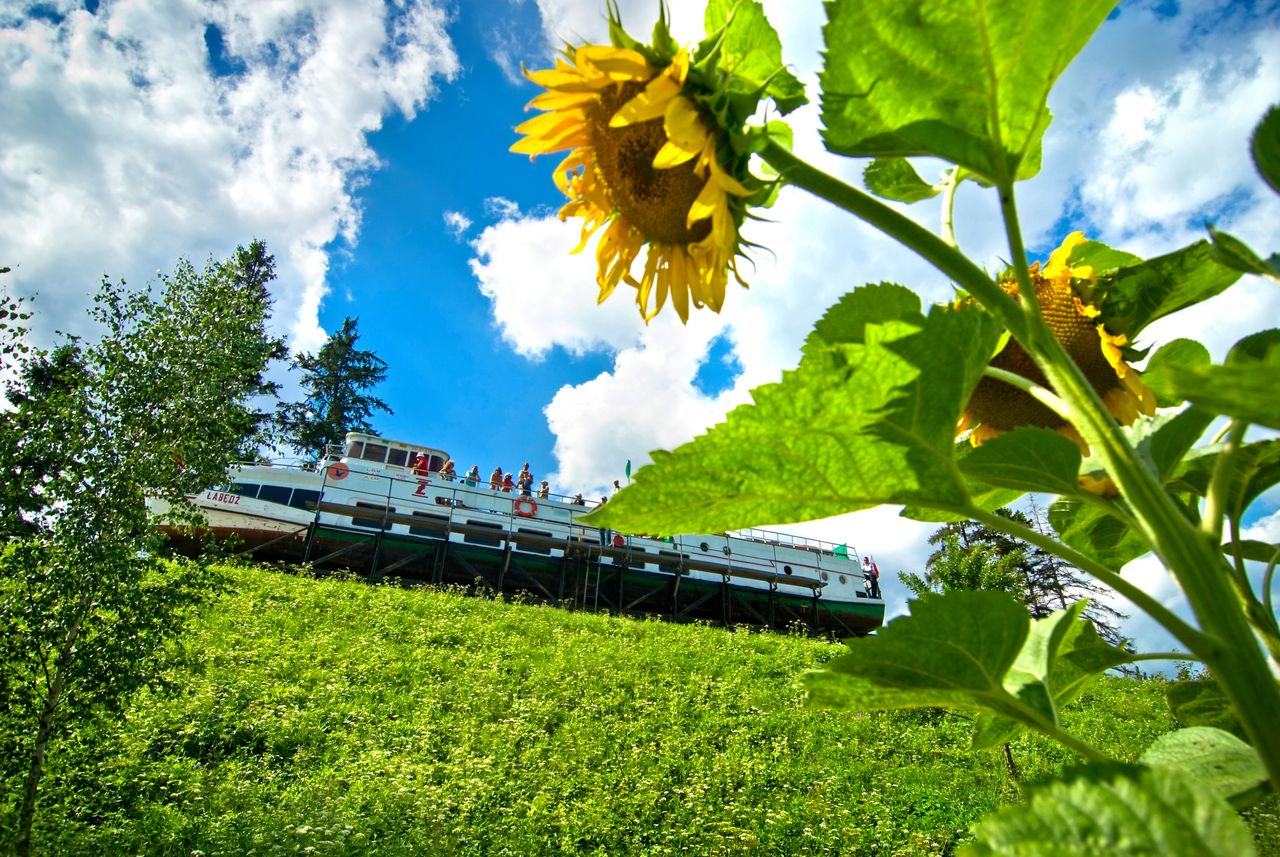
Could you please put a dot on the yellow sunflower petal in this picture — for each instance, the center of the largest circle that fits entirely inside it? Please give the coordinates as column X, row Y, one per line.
column 1058, row 258
column 649, row 103
column 616, row 63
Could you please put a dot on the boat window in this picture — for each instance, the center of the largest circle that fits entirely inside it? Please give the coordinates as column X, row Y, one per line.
column 398, row 457
column 304, row 498
column 374, row 452
column 637, row 557
column 670, row 560
column 482, row 538
column 435, row 525
column 354, row 450
column 376, row 523
column 245, row 489
column 534, row 545
column 436, row 462
column 274, row 493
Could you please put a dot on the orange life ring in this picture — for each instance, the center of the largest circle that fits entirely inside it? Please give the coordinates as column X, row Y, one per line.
column 338, row 471
column 525, row 507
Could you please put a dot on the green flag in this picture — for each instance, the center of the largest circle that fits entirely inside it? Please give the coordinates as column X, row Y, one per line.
column 628, row 469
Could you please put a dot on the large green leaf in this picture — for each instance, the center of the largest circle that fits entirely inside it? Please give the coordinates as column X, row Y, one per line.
column 1089, row 529
column 1215, row 758
column 1029, row 459
column 1200, row 702
column 1265, row 148
column 1256, row 468
column 1062, row 656
column 965, row 81
column 751, row 52
column 954, row 651
column 867, row 418
column 1243, row 388
column 1239, row 256
column 1168, row 359
column 1115, row 809
column 896, row 179
column 1139, row 294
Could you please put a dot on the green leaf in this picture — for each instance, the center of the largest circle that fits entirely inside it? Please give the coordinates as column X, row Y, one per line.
column 1103, row 259
column 1115, row 809
column 1178, row 354
column 1062, row 656
column 1235, row 254
column 1215, row 758
column 1201, row 702
column 966, row 81
column 1243, row 388
column 1257, row 468
column 1252, row 549
column 896, row 179
column 1029, row 459
column 1174, row 436
column 1139, row 294
column 953, row 651
column 867, row 418
column 751, row 52
column 1265, row 148
column 1096, row 534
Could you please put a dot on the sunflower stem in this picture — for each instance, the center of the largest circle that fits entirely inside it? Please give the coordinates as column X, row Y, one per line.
column 950, row 183
column 906, row 231
column 1228, row 644
column 1215, row 501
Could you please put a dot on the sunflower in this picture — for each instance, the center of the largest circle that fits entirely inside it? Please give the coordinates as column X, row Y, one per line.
column 996, row 407
column 644, row 165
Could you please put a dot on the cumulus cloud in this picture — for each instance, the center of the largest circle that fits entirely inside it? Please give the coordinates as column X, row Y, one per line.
column 143, row 132
column 457, row 223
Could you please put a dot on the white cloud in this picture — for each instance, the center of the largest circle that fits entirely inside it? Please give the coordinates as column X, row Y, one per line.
column 457, row 223
column 122, row 150
column 1135, row 156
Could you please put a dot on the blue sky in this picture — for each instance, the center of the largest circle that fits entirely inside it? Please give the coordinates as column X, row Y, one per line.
column 367, row 144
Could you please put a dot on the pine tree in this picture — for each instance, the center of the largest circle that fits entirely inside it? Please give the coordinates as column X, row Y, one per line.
column 335, row 381
column 971, row 555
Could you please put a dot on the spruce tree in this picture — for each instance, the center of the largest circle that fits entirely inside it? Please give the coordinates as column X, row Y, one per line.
column 335, row 381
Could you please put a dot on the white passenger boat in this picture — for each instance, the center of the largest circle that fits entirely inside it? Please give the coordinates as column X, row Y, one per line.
column 365, row 508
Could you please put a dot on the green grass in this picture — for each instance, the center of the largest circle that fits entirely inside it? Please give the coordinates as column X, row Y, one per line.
column 333, row 717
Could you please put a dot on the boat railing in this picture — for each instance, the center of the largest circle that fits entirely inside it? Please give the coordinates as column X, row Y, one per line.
column 828, row 555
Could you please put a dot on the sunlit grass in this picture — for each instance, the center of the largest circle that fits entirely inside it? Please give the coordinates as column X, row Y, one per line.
column 350, row 719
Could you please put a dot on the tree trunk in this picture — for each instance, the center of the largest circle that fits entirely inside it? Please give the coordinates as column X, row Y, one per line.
column 1010, row 765
column 36, row 771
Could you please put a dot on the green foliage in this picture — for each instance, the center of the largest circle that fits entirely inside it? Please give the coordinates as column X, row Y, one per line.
column 975, row 651
column 1212, row 757
column 846, row 430
column 1117, row 810
column 1029, row 459
column 968, row 568
column 1136, row 295
column 156, row 408
column 1180, row 354
column 1265, row 148
column 1235, row 254
column 749, row 53
column 334, row 382
column 1200, row 702
column 1244, row 387
column 896, row 179
column 966, row 82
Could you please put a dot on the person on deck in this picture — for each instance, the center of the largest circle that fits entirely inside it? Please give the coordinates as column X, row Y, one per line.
column 495, row 479
column 867, row 577
column 544, row 490
column 420, row 465
column 447, row 472
column 473, row 476
column 577, row 499
column 508, row 483
column 616, row 488
column 525, row 481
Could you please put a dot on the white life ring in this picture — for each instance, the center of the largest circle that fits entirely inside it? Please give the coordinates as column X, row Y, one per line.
column 525, row 507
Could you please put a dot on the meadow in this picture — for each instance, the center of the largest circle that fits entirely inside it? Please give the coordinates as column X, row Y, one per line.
column 327, row 716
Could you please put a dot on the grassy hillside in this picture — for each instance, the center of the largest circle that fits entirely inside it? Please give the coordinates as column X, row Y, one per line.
column 332, row 717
